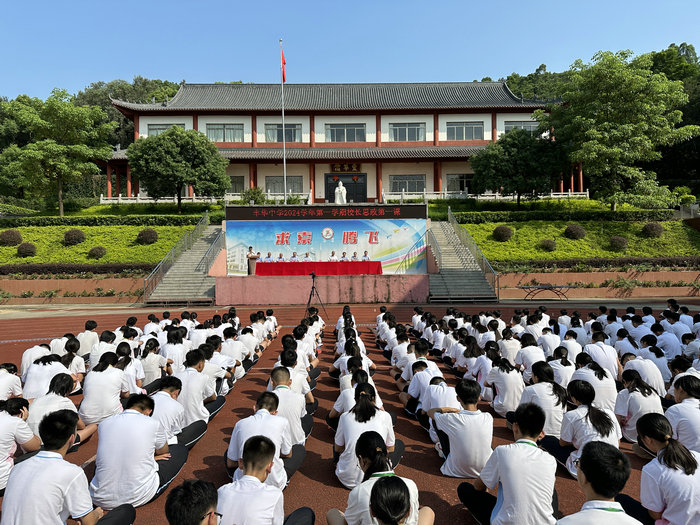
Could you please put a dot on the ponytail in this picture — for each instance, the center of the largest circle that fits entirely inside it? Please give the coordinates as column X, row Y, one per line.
column 108, row 359
column 622, row 333
column 364, row 408
column 562, row 353
column 689, row 384
column 674, row 455
column 585, row 359
column 371, row 446
column 504, row 365
column 637, row 384
column 124, row 353
column 545, row 374
column 150, row 345
column 555, row 326
column 656, row 351
column 584, row 393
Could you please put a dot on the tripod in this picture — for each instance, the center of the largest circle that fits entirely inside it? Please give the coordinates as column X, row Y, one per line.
column 314, row 293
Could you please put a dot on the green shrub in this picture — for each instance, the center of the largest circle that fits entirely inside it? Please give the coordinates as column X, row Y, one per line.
column 257, row 195
column 575, row 232
column 481, row 217
column 502, row 233
column 26, row 249
column 10, row 238
column 147, row 236
column 73, row 237
column 652, row 230
column 548, row 245
column 97, row 252
column 9, row 209
column 104, row 220
column 618, row 243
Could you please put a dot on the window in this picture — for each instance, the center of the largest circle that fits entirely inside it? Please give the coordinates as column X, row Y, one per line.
column 236, row 184
column 273, row 132
column 465, row 131
column 156, row 129
column 407, row 183
column 458, row 181
column 225, row 132
column 527, row 125
column 276, row 184
column 345, row 133
column 412, row 131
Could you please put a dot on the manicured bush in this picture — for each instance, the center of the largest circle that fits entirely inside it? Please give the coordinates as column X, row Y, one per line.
column 575, row 232
column 97, row 252
column 481, row 217
column 618, row 243
column 73, row 237
column 147, row 236
column 10, row 238
column 548, row 245
column 26, row 249
column 502, row 233
column 70, row 268
column 597, row 262
column 652, row 230
column 107, row 220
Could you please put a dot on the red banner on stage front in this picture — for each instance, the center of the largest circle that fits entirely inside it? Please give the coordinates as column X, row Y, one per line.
column 319, row 268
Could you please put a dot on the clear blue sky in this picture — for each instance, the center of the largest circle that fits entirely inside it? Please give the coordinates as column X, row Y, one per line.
column 47, row 44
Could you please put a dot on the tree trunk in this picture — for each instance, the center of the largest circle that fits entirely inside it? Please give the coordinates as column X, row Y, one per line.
column 613, row 206
column 59, row 182
column 518, row 201
column 179, row 199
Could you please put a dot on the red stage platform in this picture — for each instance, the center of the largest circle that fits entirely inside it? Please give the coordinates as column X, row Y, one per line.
column 319, row 268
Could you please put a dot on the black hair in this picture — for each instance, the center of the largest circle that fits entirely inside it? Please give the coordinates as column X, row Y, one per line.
column 364, row 408
column 11, row 368
column 207, row 350
column 106, row 359
column 193, row 358
column 72, row 346
column 390, row 501
column 14, row 405
column 280, row 374
column 107, row 337
column 47, row 360
column 371, row 446
column 354, row 363
column 124, row 354
column 468, row 391
column 149, row 346
column 189, row 501
column 90, row 325
column 624, row 334
column 584, row 393
column 171, row 383
column 504, row 365
column 57, row 427
column 636, row 383
column 562, row 353
column 288, row 358
column 584, row 359
column 268, row 401
column 689, row 384
column 680, row 363
column 606, row 468
column 674, row 455
column 545, row 374
column 360, row 376
column 656, row 351
column 258, row 452
column 417, row 366
column 61, row 385
column 140, row 401
column 530, row 418
column 527, row 339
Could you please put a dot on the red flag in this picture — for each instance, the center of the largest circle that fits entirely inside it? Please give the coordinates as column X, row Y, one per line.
column 284, row 63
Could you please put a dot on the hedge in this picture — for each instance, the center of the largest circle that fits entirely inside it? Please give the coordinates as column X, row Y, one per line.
column 54, row 268
column 481, row 217
column 664, row 262
column 111, row 220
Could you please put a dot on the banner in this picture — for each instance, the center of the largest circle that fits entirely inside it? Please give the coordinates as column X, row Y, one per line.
column 399, row 244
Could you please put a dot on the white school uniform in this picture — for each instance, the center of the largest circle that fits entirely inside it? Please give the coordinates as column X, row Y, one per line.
column 578, row 430
column 39, row 378
column 685, row 421
column 605, row 389
column 45, row 405
column 548, row 342
column 407, row 373
column 649, row 372
column 151, row 328
column 562, row 374
column 670, row 344
column 346, row 400
column 87, row 339
column 509, row 349
column 574, row 348
column 292, row 407
column 170, row 414
column 196, row 387
column 439, row 396
column 100, row 348
column 101, row 395
column 633, row 405
column 527, row 357
column 175, row 352
column 509, row 388
column 357, row 512
column 480, row 371
column 153, row 365
column 671, row 492
column 13, row 431
column 133, row 372
column 10, row 385
column 29, row 356
column 249, row 501
column 605, row 356
column 623, row 346
column 46, row 489
column 599, row 512
column 470, row 435
column 419, row 384
column 542, row 394
column 524, row 475
column 125, row 469
column 349, row 430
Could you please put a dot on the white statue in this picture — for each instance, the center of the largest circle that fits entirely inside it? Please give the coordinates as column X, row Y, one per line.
column 340, row 193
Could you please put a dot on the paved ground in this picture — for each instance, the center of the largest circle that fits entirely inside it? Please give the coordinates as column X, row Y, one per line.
column 315, row 484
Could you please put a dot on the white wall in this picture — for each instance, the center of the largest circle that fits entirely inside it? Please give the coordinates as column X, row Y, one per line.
column 227, row 119
column 396, row 119
column 485, row 118
column 144, row 121
column 407, row 168
column 502, row 117
column 369, row 121
column 304, row 121
column 239, row 170
column 275, row 170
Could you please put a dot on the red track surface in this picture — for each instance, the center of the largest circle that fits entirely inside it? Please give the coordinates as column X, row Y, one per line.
column 315, row 484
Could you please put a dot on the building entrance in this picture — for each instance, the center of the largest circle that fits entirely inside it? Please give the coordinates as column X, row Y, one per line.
column 355, row 185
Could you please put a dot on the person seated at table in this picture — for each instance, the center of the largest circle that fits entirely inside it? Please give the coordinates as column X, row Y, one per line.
column 365, row 256
column 354, row 257
column 344, row 257
column 294, row 257
column 333, row 257
column 280, row 258
column 268, row 258
column 307, row 258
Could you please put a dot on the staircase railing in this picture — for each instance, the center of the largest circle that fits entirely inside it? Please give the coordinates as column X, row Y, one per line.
column 489, row 273
column 434, row 247
column 184, row 243
column 212, row 253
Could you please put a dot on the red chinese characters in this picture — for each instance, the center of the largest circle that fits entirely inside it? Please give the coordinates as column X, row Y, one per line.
column 282, row 238
column 350, row 237
column 304, row 238
column 373, row 237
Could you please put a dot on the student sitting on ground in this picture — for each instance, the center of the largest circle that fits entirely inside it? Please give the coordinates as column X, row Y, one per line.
column 15, row 436
column 10, row 383
column 40, row 374
column 103, row 389
column 193, row 503
column 390, row 503
column 198, row 394
column 418, row 385
column 291, row 406
column 561, row 365
column 465, row 435
column 604, row 385
column 508, row 384
column 346, row 399
column 171, row 415
column 420, row 350
column 439, row 394
column 155, row 366
column 523, row 473
column 48, row 489
column 684, row 416
column 528, row 355
column 635, row 400
column 548, row 395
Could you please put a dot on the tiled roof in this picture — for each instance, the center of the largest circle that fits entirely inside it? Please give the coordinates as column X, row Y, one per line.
column 337, row 97
column 418, row 152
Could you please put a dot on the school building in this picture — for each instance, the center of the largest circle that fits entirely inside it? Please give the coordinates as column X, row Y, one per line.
column 378, row 139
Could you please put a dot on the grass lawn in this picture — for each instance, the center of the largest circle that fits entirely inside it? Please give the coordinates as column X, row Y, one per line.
column 120, row 242
column 677, row 240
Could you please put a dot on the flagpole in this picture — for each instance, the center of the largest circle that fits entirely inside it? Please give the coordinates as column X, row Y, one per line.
column 284, row 130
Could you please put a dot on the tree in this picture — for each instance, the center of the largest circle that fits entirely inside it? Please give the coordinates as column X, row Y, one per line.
column 542, row 84
column 518, row 163
column 615, row 115
column 63, row 143
column 167, row 163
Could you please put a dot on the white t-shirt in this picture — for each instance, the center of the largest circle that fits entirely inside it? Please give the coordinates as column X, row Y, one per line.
column 349, row 430
column 152, row 364
column 605, row 356
column 671, row 492
column 601, row 513
column 439, row 396
column 97, row 350
column 125, row 469
column 605, row 389
column 509, row 349
column 133, row 372
column 524, row 475
column 46, row 489
column 10, row 385
column 527, row 357
column 248, row 501
column 13, row 431
column 39, row 378
column 357, row 512
column 292, row 407
column 45, row 405
column 562, row 374
column 548, row 342
column 632, row 406
column 29, row 356
column 685, row 421
column 170, row 414
column 196, row 387
column 101, row 395
column 509, row 388
column 542, row 394
column 660, row 362
column 574, row 348
column 176, row 353
column 87, row 339
column 470, row 435
column 578, row 430
column 346, row 400
column 649, row 372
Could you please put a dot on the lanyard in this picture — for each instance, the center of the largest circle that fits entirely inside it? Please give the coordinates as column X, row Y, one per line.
column 382, row 475
column 525, row 442
column 610, row 509
column 282, row 387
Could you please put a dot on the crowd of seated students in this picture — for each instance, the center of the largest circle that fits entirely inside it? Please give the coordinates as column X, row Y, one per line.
column 570, row 388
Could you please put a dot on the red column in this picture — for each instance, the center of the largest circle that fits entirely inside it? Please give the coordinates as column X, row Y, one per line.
column 436, row 127
column 190, row 190
column 136, row 186
column 379, row 182
column 494, row 127
column 136, row 127
column 312, row 180
column 128, row 181
column 379, row 131
column 571, row 182
column 437, row 176
column 312, row 131
column 118, row 182
column 254, row 132
column 195, row 122
column 560, row 185
column 109, row 181
column 580, row 176
column 252, row 174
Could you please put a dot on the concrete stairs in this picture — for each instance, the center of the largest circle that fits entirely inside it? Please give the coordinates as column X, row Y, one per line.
column 460, row 278
column 186, row 284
